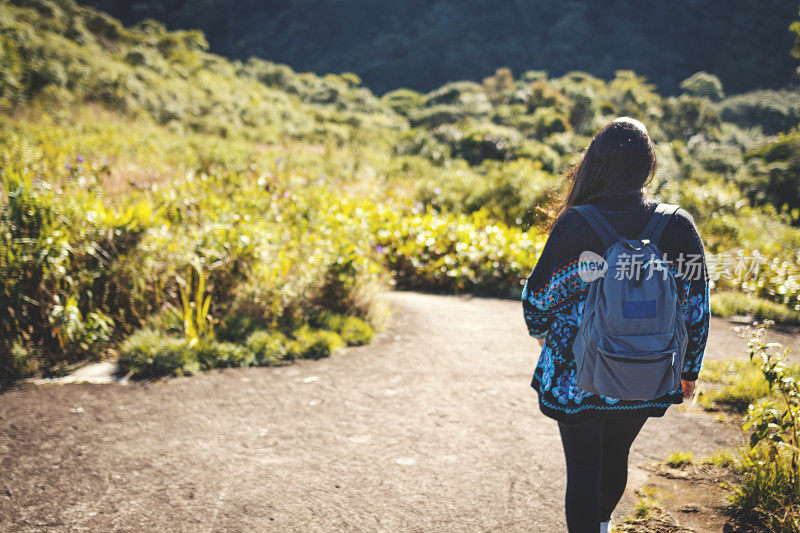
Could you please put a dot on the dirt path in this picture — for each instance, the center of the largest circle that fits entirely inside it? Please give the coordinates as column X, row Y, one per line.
column 433, row 427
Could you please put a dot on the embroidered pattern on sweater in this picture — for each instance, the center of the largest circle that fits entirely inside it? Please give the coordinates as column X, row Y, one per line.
column 554, row 310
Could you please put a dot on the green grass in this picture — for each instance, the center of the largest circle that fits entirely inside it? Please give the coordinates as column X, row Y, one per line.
column 722, row 458
column 644, row 508
column 739, row 383
column 149, row 353
column 767, row 495
column 731, row 303
column 679, row 459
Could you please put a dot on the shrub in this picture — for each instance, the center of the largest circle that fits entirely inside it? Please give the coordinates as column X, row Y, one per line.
column 23, row 361
column 704, row 85
column 354, row 331
column 773, row 111
column 776, row 166
column 547, row 121
column 489, row 143
column 403, row 101
column 422, row 143
column 269, row 347
column 316, row 343
column 149, row 353
column 543, row 94
column 212, row 354
column 687, row 115
column 453, row 93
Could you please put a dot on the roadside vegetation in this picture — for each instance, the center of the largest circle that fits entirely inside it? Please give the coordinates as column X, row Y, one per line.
column 760, row 482
column 184, row 211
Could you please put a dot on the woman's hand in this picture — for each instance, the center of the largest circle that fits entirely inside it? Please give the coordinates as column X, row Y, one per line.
column 541, row 342
column 688, row 388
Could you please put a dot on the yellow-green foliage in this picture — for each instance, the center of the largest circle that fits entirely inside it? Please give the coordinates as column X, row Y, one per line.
column 767, row 494
column 742, row 383
column 130, row 157
column 354, row 331
column 679, row 459
column 730, row 303
column 220, row 241
column 723, row 458
column 644, row 508
column 458, row 253
column 316, row 342
column 268, row 346
column 149, row 353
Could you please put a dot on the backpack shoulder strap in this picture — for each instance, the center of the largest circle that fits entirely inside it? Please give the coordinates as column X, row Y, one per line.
column 601, row 226
column 658, row 221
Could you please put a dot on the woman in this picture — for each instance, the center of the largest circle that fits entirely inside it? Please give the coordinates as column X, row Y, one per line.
column 597, row 431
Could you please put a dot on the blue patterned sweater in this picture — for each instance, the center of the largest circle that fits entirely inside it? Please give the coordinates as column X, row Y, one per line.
column 554, row 294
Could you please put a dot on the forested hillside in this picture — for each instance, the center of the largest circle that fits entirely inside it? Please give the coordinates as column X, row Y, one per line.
column 422, row 44
column 187, row 211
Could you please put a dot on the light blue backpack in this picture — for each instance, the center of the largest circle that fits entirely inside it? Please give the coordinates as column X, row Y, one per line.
column 632, row 337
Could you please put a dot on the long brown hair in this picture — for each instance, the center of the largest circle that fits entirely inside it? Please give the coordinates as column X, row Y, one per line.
column 620, row 159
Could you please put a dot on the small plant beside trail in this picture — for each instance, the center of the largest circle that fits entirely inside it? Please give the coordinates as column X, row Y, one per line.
column 679, row 459
column 195, row 305
column 769, row 493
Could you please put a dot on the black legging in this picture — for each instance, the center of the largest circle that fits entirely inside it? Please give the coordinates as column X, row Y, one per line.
column 597, row 467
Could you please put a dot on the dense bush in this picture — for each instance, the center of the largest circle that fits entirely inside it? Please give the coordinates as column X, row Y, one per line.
column 149, row 353
column 65, row 288
column 704, row 85
column 353, row 331
column 458, row 253
column 776, row 166
column 773, row 111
